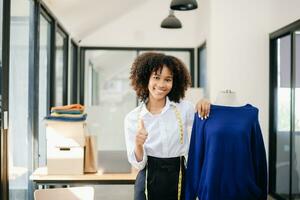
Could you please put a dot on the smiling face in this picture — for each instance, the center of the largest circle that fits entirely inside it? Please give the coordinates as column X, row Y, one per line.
column 160, row 84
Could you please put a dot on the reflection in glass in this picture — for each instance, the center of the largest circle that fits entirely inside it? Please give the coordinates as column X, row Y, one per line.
column 19, row 154
column 283, row 115
column 59, row 68
column 296, row 133
column 44, row 56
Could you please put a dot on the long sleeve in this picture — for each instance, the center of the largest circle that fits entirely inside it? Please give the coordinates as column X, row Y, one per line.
column 259, row 160
column 195, row 159
column 130, row 132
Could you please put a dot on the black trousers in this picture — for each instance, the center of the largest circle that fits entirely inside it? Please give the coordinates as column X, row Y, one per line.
column 162, row 179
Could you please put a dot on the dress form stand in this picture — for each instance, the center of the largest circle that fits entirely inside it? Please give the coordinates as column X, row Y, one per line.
column 227, row 98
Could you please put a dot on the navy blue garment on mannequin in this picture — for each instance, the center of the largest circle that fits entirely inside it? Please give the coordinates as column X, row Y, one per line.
column 227, row 158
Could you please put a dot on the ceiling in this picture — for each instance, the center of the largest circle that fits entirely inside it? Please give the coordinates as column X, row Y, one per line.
column 82, row 18
column 86, row 19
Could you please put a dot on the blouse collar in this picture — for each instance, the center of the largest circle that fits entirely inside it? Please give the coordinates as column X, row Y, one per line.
column 145, row 111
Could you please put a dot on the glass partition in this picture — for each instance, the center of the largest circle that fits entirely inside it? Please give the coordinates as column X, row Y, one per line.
column 283, row 115
column 296, row 133
column 284, row 140
column 19, row 154
column 44, row 66
column 107, row 91
column 202, row 69
column 60, row 68
column 73, row 74
column 109, row 97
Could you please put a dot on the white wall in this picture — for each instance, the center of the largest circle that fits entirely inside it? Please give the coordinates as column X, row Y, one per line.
column 282, row 13
column 238, row 48
column 203, row 20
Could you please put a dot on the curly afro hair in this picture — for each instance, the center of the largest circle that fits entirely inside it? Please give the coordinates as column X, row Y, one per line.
column 149, row 62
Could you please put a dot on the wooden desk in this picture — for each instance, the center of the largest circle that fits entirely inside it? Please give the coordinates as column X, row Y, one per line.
column 40, row 177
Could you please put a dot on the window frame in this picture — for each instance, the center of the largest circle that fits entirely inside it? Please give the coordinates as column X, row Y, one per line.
column 60, row 30
column 200, row 68
column 4, row 98
column 74, row 55
column 287, row 30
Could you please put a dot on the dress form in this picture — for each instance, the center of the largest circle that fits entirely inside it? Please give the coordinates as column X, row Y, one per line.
column 227, row 98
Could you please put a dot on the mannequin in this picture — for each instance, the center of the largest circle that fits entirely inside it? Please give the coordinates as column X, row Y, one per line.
column 230, row 142
column 227, row 98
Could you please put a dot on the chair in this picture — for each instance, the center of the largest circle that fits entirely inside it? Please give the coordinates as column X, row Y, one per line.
column 71, row 193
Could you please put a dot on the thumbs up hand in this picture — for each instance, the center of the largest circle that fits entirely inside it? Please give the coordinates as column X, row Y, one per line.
column 141, row 135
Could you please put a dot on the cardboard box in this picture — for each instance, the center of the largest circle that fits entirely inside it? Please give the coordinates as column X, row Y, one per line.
column 65, row 147
column 64, row 160
column 72, row 133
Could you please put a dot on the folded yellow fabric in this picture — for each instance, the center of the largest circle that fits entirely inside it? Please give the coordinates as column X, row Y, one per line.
column 54, row 114
column 68, row 107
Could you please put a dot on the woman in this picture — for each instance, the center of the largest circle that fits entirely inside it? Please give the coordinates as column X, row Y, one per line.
column 156, row 131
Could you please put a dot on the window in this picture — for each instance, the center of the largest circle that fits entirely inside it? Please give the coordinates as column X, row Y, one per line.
column 73, row 74
column 19, row 152
column 60, row 81
column 45, row 25
column 108, row 95
column 30, row 65
column 4, row 68
column 284, row 158
column 296, row 121
column 202, row 69
column 283, row 115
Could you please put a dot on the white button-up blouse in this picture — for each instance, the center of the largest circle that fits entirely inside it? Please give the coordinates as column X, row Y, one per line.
column 163, row 139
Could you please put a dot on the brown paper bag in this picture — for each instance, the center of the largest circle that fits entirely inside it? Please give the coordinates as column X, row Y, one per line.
column 90, row 155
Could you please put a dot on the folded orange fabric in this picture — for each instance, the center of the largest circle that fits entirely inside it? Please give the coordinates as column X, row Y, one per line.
column 69, row 107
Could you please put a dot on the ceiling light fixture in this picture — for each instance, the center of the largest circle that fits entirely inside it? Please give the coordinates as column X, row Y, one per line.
column 171, row 21
column 183, row 5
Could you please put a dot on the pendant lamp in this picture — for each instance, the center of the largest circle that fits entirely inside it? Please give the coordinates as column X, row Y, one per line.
column 171, row 21
column 183, row 5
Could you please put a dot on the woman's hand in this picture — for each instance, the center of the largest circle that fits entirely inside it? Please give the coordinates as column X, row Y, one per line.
column 203, row 108
column 141, row 135
column 140, row 140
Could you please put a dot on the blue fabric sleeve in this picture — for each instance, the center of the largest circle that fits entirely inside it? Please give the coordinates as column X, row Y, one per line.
column 259, row 160
column 195, row 159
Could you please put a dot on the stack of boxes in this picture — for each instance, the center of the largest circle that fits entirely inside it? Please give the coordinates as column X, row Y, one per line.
column 65, row 145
